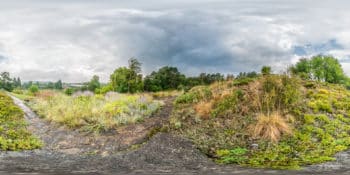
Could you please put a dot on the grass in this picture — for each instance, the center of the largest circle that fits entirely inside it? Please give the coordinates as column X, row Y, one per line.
column 13, row 133
column 290, row 122
column 93, row 112
column 271, row 127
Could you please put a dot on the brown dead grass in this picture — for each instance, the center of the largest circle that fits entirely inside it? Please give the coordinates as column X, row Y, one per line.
column 271, row 127
column 203, row 109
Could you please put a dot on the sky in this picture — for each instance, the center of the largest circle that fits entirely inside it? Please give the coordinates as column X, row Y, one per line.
column 73, row 40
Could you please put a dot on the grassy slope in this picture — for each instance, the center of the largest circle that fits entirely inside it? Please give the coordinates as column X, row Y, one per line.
column 13, row 133
column 272, row 121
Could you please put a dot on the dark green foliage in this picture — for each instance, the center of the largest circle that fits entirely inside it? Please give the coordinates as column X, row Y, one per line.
column 320, row 68
column 207, row 79
column 243, row 75
column 34, row 89
column 266, row 70
column 166, row 78
column 13, row 133
column 7, row 83
column 94, row 83
column 127, row 79
column 169, row 78
column 69, row 91
column 58, row 85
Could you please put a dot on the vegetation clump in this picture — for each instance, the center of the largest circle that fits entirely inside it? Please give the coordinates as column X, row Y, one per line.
column 94, row 112
column 13, row 133
column 275, row 121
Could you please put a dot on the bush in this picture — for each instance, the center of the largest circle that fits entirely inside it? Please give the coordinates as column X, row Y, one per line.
column 194, row 95
column 34, row 89
column 266, row 70
column 69, row 91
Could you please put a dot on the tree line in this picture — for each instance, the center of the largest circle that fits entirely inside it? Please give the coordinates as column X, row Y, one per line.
column 322, row 68
column 128, row 79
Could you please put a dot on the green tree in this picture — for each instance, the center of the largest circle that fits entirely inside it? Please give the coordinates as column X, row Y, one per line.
column 50, row 85
column 33, row 89
column 266, row 70
column 18, row 82
column 320, row 68
column 303, row 69
column 59, row 85
column 6, row 82
column 94, row 83
column 134, row 65
column 69, row 91
column 165, row 78
column 127, row 79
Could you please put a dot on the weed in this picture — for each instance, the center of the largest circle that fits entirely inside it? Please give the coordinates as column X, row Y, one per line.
column 13, row 133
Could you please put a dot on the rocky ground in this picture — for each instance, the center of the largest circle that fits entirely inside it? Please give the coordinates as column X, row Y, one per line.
column 73, row 152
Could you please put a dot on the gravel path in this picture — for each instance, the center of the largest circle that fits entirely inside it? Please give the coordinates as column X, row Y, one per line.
column 164, row 153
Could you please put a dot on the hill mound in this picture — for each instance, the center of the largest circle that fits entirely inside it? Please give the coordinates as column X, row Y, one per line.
column 274, row 121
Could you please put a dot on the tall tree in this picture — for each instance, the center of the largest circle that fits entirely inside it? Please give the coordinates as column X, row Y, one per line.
column 127, row 79
column 59, row 85
column 165, row 78
column 6, row 82
column 266, row 70
column 94, row 83
column 320, row 68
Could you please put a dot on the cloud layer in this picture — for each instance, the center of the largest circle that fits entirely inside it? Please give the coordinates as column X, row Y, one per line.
column 73, row 40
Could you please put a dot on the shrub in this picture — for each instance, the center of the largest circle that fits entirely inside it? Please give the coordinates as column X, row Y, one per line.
column 194, row 95
column 69, row 91
column 228, row 103
column 271, row 127
column 266, row 70
column 34, row 89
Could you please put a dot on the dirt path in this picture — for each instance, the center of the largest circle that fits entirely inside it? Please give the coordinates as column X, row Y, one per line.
column 162, row 154
column 60, row 139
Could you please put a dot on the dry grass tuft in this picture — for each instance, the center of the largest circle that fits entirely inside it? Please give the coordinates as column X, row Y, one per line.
column 271, row 127
column 204, row 109
column 45, row 94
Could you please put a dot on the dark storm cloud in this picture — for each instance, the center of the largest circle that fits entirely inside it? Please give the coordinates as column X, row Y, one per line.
column 73, row 40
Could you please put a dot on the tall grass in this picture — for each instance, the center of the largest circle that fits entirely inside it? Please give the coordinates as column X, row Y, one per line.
column 96, row 112
column 271, row 127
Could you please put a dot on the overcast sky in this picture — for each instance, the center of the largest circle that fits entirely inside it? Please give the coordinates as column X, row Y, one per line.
column 75, row 39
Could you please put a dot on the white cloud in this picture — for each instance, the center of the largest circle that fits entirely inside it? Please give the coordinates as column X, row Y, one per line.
column 72, row 40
